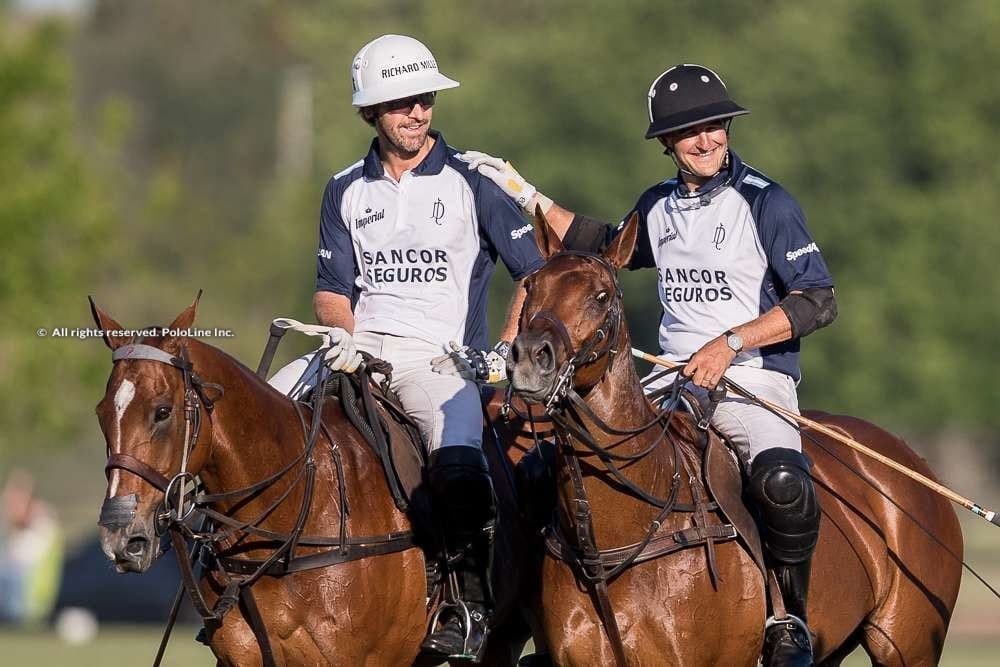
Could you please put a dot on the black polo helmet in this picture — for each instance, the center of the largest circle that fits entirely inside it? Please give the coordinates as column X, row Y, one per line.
column 687, row 95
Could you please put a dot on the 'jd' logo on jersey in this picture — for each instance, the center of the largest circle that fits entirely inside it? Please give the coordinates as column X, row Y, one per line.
column 720, row 236
column 438, row 211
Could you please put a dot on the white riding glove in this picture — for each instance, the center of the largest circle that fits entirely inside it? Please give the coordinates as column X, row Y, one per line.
column 506, row 177
column 343, row 355
column 472, row 364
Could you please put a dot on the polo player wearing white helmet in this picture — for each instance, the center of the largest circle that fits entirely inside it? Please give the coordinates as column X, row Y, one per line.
column 409, row 238
column 741, row 281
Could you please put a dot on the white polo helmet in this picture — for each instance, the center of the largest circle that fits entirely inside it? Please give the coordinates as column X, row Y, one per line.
column 391, row 67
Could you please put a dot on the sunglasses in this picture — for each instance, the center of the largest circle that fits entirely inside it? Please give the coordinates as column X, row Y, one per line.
column 709, row 127
column 426, row 100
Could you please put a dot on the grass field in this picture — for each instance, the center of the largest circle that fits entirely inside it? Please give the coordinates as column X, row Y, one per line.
column 974, row 638
column 127, row 646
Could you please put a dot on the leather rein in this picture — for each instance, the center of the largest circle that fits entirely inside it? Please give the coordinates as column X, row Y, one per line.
column 238, row 574
column 567, row 409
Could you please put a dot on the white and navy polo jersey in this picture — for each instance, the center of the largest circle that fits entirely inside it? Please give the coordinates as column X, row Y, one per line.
column 416, row 256
column 724, row 255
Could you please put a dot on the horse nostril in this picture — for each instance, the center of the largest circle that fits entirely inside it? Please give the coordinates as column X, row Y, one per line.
column 136, row 546
column 545, row 356
column 515, row 351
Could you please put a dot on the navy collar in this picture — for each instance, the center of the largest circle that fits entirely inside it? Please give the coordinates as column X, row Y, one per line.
column 714, row 184
column 431, row 165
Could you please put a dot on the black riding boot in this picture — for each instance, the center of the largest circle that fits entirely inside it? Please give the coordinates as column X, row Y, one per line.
column 463, row 504
column 786, row 500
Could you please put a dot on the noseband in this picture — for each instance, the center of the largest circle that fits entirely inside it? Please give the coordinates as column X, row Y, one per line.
column 592, row 349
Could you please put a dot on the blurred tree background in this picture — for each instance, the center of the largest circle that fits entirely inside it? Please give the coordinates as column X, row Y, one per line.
column 151, row 148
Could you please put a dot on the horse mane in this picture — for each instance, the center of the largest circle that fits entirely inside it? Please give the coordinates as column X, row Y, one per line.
column 682, row 425
column 158, row 339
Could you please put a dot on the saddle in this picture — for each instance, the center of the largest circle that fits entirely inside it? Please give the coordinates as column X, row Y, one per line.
column 393, row 436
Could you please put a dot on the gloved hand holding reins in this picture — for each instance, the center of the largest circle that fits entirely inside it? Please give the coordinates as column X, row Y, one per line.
column 472, row 364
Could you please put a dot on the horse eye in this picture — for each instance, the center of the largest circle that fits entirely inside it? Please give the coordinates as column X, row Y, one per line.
column 162, row 413
column 601, row 297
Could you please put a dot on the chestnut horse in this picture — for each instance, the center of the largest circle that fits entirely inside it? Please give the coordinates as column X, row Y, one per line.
column 174, row 403
column 878, row 579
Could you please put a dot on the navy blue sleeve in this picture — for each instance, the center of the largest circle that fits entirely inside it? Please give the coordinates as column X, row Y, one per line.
column 792, row 253
column 642, row 257
column 510, row 234
column 336, row 268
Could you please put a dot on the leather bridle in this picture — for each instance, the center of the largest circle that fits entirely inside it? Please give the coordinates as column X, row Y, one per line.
column 597, row 345
column 237, row 574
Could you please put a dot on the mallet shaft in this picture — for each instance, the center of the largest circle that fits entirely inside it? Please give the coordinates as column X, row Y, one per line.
column 975, row 508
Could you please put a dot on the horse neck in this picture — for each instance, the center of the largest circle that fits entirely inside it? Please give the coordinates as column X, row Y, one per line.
column 619, row 401
column 255, row 433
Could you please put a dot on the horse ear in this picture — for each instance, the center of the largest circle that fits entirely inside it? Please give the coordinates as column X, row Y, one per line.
column 545, row 237
column 107, row 324
column 620, row 251
column 186, row 318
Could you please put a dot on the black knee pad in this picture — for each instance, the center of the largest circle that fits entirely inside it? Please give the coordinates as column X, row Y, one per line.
column 783, row 492
column 461, row 489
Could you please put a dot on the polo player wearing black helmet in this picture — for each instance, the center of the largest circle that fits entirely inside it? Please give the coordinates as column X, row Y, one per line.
column 741, row 281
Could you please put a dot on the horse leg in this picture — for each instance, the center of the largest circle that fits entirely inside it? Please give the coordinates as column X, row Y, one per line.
column 840, row 654
column 234, row 643
column 909, row 628
column 505, row 643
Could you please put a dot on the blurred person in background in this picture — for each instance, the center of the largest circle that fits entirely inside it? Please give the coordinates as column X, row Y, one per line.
column 409, row 238
column 31, row 552
column 740, row 281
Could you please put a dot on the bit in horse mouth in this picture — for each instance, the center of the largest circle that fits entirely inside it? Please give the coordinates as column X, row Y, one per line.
column 136, row 546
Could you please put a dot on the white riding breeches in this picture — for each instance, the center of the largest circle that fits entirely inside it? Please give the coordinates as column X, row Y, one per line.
column 752, row 428
column 447, row 408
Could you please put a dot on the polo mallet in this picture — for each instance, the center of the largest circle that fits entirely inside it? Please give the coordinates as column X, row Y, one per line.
column 975, row 508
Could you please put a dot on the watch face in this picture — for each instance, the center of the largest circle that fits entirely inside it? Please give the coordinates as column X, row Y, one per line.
column 735, row 342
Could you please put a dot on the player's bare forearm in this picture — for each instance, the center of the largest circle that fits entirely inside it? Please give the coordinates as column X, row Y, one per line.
column 559, row 219
column 707, row 366
column 333, row 310
column 770, row 328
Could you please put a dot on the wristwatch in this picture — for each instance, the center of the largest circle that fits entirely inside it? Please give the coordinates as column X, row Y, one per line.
column 734, row 341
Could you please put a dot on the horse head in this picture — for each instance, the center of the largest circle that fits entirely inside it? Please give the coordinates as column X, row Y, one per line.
column 572, row 320
column 151, row 416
